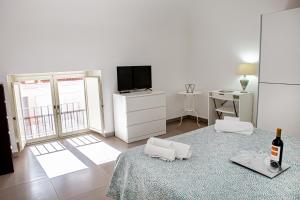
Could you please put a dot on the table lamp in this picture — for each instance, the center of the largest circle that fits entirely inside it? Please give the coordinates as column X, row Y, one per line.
column 246, row 69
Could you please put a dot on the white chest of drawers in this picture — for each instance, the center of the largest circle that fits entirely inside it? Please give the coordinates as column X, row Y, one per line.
column 139, row 115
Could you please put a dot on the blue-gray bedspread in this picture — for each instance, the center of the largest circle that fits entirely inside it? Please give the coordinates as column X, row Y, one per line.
column 208, row 174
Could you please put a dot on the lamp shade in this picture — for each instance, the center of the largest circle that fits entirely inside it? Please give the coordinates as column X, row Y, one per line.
column 246, row 69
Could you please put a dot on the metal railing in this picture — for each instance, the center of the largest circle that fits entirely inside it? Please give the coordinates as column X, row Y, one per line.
column 73, row 117
column 40, row 121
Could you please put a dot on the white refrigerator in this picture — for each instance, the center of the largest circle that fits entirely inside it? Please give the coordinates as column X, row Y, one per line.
column 279, row 79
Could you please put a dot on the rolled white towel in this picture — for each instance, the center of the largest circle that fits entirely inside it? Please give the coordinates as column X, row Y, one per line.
column 182, row 151
column 233, row 126
column 160, row 142
column 231, row 118
column 159, row 152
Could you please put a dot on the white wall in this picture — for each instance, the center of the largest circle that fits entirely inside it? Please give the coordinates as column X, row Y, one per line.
column 200, row 41
column 222, row 35
column 68, row 35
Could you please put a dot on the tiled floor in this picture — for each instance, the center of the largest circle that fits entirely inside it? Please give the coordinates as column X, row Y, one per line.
column 30, row 181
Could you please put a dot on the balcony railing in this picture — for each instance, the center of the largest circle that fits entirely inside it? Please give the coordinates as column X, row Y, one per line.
column 40, row 121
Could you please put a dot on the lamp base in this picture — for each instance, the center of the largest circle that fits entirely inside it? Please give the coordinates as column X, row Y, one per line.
column 244, row 82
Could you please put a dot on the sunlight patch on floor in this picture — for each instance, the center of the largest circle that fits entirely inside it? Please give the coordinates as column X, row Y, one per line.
column 93, row 148
column 83, row 140
column 56, row 160
column 50, row 147
column 99, row 153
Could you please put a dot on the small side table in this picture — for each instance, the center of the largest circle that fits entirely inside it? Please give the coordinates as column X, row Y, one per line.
column 189, row 104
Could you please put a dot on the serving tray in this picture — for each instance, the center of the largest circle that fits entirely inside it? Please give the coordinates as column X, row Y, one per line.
column 258, row 162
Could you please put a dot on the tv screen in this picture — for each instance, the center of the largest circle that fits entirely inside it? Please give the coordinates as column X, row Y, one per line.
column 134, row 77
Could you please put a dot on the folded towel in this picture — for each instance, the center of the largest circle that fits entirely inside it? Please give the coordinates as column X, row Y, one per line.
column 234, row 126
column 160, row 142
column 159, row 152
column 231, row 118
column 182, row 151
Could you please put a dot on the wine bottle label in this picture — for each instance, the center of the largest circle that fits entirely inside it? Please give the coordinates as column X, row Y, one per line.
column 275, row 153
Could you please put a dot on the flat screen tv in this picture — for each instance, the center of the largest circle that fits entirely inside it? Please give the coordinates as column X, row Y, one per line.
column 134, row 78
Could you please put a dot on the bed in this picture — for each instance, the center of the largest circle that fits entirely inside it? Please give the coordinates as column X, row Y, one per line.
column 208, row 174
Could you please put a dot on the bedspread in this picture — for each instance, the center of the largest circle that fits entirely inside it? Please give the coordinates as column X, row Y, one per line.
column 208, row 174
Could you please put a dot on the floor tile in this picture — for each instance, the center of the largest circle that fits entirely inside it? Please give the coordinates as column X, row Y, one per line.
column 99, row 152
column 97, row 194
column 26, row 168
column 60, row 163
column 37, row 190
column 108, row 167
column 73, row 184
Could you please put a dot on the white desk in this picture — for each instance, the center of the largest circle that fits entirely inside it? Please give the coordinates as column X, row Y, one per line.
column 189, row 104
column 232, row 103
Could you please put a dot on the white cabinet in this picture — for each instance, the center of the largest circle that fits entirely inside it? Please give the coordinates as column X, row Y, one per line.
column 139, row 115
column 280, row 47
column 230, row 103
column 279, row 81
column 279, row 108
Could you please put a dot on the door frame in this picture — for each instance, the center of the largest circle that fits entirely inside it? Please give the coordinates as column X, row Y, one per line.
column 11, row 78
column 23, row 77
column 97, row 74
column 55, row 78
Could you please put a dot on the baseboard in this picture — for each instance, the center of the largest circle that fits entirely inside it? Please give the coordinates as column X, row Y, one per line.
column 109, row 134
column 188, row 117
column 205, row 121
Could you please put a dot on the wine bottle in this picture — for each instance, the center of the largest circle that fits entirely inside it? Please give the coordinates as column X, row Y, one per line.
column 277, row 149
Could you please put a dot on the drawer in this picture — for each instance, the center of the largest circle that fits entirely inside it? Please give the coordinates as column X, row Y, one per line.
column 222, row 96
column 145, row 102
column 148, row 115
column 146, row 128
column 225, row 96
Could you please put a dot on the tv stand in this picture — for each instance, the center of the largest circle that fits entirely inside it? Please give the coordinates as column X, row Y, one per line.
column 124, row 92
column 139, row 115
column 130, row 91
